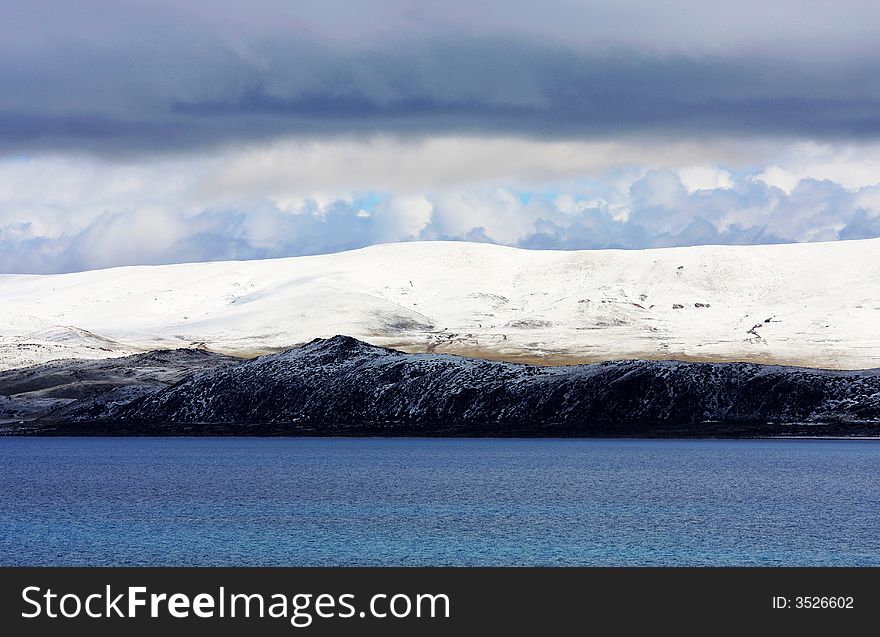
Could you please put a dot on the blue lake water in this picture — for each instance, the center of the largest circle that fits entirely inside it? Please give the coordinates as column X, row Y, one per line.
column 245, row 501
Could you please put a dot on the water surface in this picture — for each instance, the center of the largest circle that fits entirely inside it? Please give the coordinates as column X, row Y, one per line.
column 246, row 501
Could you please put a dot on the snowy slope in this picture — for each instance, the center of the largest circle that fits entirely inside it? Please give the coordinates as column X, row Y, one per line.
column 814, row 304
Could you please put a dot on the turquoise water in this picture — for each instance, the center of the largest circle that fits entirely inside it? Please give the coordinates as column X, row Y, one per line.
column 246, row 501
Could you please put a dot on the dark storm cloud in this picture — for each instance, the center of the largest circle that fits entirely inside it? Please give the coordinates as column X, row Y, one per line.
column 159, row 76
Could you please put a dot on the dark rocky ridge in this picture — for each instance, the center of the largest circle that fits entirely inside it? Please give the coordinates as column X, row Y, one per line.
column 341, row 386
column 52, row 390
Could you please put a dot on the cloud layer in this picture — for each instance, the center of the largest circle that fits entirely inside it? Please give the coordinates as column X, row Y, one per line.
column 61, row 214
column 167, row 76
column 163, row 131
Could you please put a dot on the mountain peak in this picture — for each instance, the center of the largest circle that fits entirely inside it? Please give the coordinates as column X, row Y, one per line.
column 342, row 344
column 339, row 340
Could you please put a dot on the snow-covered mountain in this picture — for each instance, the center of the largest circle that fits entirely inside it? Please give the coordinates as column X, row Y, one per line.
column 814, row 305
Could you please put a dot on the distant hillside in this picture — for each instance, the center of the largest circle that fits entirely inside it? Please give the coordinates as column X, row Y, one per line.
column 812, row 305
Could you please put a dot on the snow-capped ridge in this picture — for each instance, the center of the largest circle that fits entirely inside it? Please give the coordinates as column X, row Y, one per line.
column 811, row 305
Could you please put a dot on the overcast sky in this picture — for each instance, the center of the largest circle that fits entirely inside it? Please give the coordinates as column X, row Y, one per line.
column 158, row 132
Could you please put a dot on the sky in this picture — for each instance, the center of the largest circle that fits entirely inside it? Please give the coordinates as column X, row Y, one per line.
column 146, row 132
